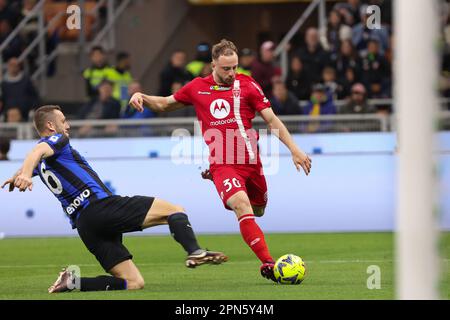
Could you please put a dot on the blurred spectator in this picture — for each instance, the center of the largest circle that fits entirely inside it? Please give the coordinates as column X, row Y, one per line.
column 283, row 101
column 329, row 80
column 313, row 55
column 336, row 32
column 131, row 113
column 375, row 71
column 264, row 69
column 384, row 110
column 175, row 71
column 98, row 71
column 13, row 115
column 17, row 89
column 121, row 77
column 321, row 104
column 358, row 101
column 347, row 82
column 347, row 58
column 183, row 112
column 362, row 34
column 349, row 11
column 104, row 106
column 5, row 145
column 15, row 46
column 175, row 87
column 9, row 10
column 297, row 80
column 203, row 56
column 4, row 10
column 246, row 59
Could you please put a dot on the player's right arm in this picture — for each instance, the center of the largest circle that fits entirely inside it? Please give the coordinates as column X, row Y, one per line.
column 180, row 99
column 10, row 181
column 155, row 103
column 23, row 177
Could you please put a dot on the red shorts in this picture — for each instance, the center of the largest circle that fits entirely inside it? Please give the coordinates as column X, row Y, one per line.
column 230, row 179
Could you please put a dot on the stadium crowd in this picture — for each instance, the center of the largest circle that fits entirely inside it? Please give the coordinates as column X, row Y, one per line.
column 348, row 61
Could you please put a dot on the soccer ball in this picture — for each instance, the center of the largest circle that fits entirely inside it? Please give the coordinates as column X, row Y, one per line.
column 289, row 269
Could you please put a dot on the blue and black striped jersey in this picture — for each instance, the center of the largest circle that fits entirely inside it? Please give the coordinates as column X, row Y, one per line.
column 69, row 177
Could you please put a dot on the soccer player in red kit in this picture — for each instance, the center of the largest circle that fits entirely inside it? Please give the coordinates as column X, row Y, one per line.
column 226, row 103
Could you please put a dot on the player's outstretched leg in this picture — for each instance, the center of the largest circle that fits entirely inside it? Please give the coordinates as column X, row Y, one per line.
column 125, row 276
column 251, row 232
column 163, row 212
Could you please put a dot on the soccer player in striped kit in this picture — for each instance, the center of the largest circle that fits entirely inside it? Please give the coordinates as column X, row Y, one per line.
column 99, row 216
column 226, row 103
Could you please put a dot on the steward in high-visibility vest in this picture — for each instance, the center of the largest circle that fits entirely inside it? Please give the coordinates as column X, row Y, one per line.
column 121, row 78
column 195, row 67
column 246, row 58
column 203, row 57
column 97, row 72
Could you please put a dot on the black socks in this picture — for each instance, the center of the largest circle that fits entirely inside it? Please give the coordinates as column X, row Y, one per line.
column 102, row 283
column 181, row 230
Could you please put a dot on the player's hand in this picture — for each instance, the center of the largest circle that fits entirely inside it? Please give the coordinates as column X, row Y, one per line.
column 302, row 160
column 137, row 102
column 23, row 183
column 10, row 181
column 207, row 175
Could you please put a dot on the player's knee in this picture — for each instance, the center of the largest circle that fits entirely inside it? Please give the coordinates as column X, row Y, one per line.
column 140, row 284
column 241, row 206
column 174, row 209
column 135, row 284
column 177, row 208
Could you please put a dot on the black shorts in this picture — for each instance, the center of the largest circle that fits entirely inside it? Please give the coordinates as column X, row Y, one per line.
column 102, row 223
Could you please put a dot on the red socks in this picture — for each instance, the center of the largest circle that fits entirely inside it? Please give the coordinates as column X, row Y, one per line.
column 254, row 237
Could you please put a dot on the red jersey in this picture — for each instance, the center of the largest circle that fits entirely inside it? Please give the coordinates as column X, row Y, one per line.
column 225, row 115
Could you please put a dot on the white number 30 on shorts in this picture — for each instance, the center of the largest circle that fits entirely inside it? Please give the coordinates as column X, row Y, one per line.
column 228, row 184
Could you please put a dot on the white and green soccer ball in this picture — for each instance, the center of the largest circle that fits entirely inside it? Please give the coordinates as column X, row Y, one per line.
column 289, row 269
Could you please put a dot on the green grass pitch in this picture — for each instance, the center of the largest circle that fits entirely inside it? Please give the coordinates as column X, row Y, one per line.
column 336, row 267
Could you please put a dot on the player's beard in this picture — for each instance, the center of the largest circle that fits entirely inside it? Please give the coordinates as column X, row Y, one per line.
column 230, row 80
column 227, row 81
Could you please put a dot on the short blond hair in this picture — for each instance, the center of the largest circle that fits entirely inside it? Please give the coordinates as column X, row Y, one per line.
column 223, row 48
column 42, row 115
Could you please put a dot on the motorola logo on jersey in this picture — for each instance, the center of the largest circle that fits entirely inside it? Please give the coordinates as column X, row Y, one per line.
column 78, row 201
column 220, row 108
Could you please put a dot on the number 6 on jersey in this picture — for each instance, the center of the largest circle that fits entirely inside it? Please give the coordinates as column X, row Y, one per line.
column 55, row 185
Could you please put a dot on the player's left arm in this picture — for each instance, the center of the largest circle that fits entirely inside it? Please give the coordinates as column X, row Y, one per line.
column 277, row 127
column 23, row 177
